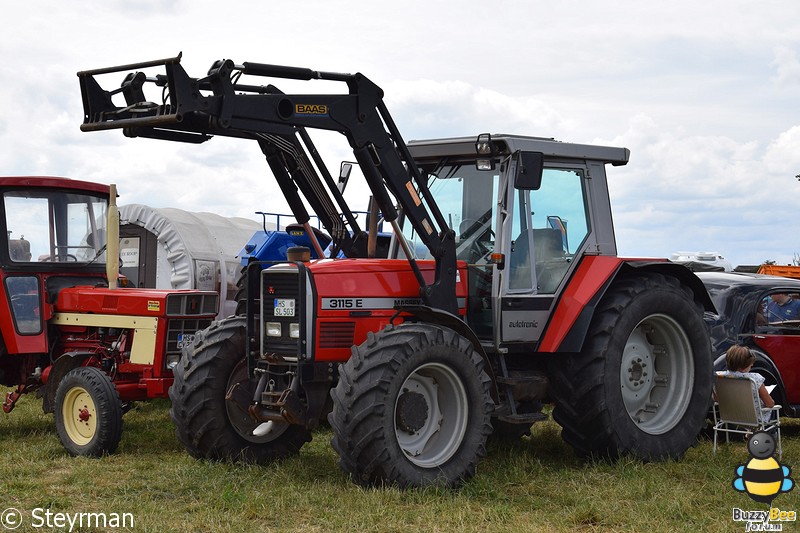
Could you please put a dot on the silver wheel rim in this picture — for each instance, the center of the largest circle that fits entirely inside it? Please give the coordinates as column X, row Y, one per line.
column 445, row 422
column 656, row 374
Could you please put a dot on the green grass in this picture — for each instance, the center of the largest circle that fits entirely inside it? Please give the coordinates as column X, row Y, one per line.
column 536, row 484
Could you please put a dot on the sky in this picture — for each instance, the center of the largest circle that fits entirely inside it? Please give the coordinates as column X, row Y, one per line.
column 704, row 94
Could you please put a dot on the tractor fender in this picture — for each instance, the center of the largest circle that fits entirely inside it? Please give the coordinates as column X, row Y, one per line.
column 569, row 322
column 56, row 373
column 423, row 313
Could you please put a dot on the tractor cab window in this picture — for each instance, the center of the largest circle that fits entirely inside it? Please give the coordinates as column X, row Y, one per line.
column 53, row 226
column 23, row 294
column 550, row 225
column 467, row 198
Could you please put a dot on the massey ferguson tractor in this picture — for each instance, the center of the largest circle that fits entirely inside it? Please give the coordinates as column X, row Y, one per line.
column 501, row 292
column 86, row 346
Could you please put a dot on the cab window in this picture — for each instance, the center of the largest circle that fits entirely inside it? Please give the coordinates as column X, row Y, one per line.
column 23, row 295
column 550, row 225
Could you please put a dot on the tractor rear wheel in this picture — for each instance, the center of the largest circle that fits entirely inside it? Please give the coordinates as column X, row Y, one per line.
column 88, row 412
column 210, row 399
column 412, row 408
column 642, row 385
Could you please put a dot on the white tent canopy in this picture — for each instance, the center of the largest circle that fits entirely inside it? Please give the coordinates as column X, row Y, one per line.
column 193, row 250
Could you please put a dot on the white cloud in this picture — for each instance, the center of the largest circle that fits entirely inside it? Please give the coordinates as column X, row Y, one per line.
column 787, row 66
column 702, row 93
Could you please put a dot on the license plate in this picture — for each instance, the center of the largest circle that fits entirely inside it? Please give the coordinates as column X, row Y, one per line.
column 284, row 307
column 185, row 339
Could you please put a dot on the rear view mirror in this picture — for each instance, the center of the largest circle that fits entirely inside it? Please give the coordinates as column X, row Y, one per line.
column 344, row 175
column 529, row 170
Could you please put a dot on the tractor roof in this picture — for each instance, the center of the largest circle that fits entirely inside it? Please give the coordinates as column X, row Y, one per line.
column 51, row 182
column 508, row 144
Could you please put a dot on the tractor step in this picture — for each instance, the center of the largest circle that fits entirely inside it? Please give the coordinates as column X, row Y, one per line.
column 525, row 386
column 526, row 418
column 522, row 380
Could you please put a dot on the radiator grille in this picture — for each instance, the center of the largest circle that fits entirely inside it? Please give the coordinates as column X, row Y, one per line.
column 336, row 334
column 180, row 332
column 281, row 285
column 192, row 304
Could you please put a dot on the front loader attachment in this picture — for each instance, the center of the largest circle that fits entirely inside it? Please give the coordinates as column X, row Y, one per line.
column 179, row 97
column 161, row 101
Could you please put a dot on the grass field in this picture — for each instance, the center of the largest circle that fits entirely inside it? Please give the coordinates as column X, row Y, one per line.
column 536, row 484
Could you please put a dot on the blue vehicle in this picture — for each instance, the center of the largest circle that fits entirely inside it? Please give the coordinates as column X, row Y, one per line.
column 267, row 246
column 273, row 245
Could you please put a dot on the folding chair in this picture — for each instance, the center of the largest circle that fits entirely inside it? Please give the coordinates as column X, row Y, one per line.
column 738, row 410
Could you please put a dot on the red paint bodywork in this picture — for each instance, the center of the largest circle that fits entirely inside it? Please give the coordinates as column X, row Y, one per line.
column 363, row 279
column 123, row 301
column 55, row 183
column 592, row 274
column 785, row 353
column 133, row 381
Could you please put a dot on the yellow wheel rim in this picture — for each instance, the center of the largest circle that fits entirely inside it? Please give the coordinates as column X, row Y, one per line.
column 80, row 416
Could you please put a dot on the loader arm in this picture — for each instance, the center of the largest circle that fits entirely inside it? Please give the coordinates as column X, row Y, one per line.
column 196, row 109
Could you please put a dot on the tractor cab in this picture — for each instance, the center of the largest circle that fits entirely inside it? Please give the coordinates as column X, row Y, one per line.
column 521, row 227
column 46, row 223
column 55, row 231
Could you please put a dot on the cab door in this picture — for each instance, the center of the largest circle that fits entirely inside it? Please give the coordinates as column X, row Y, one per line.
column 545, row 230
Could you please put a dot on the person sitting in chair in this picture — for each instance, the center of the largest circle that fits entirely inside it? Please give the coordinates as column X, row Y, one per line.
column 739, row 361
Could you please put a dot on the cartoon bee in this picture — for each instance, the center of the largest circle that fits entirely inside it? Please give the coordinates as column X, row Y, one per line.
column 762, row 478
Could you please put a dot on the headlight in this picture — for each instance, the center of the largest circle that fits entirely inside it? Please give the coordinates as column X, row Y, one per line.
column 294, row 330
column 172, row 360
column 273, row 329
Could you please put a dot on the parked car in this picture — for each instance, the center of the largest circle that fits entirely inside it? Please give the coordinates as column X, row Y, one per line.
column 742, row 302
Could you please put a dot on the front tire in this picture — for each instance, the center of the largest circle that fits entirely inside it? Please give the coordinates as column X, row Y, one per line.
column 210, row 396
column 412, row 408
column 642, row 385
column 88, row 412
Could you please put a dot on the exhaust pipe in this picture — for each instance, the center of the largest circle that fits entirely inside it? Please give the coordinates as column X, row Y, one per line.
column 112, row 239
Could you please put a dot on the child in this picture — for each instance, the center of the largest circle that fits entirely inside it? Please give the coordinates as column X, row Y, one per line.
column 739, row 360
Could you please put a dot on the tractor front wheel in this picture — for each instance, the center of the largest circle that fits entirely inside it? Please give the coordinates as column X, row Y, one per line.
column 88, row 412
column 412, row 408
column 210, row 398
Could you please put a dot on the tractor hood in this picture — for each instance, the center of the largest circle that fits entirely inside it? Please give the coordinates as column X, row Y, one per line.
column 136, row 302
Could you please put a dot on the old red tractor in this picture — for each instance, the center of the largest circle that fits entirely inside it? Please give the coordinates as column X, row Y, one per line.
column 88, row 347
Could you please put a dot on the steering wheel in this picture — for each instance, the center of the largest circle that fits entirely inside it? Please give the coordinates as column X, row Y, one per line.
column 481, row 250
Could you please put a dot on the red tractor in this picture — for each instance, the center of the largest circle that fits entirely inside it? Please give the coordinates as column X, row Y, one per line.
column 502, row 291
column 87, row 347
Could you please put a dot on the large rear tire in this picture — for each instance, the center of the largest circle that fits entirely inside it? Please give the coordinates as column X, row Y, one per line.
column 210, row 397
column 88, row 412
column 412, row 408
column 642, row 385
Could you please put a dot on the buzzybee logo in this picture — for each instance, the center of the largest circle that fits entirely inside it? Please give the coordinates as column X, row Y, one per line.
column 762, row 477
